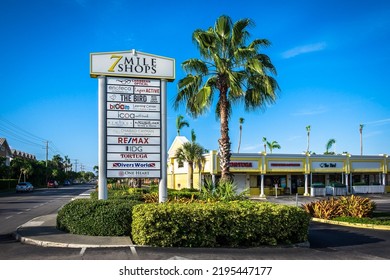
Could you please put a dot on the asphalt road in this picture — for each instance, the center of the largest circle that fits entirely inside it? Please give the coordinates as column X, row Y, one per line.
column 18, row 208
column 327, row 242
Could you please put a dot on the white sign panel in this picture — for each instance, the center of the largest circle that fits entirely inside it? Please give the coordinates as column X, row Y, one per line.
column 134, row 82
column 139, row 132
column 133, row 115
column 133, row 140
column 366, row 165
column 133, row 107
column 133, row 165
column 132, row 64
column 133, row 173
column 327, row 165
column 133, row 157
column 243, row 164
column 275, row 165
column 136, row 98
column 132, row 149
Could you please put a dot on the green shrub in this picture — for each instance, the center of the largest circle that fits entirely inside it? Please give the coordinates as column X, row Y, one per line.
column 127, row 194
column 8, row 184
column 96, row 217
column 221, row 191
column 231, row 224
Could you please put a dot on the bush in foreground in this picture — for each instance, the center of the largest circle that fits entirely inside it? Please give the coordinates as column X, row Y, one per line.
column 230, row 224
column 345, row 206
column 96, row 217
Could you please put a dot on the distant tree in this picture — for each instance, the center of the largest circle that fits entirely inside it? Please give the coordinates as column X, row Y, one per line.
column 361, row 138
column 191, row 152
column 273, row 145
column 240, row 121
column 329, row 145
column 265, row 144
column 4, row 169
column 96, row 169
column 180, row 123
column 308, row 129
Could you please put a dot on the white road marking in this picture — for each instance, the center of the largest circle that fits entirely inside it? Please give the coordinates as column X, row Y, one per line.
column 83, row 251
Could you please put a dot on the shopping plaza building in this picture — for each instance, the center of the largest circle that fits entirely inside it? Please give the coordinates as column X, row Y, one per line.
column 286, row 174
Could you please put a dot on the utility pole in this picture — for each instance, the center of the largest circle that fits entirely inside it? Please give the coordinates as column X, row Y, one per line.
column 75, row 162
column 47, row 156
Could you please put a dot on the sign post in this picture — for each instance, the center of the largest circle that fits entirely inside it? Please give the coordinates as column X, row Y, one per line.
column 132, row 116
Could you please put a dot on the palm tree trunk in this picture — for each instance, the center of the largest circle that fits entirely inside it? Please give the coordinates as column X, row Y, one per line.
column 308, row 142
column 224, row 141
column 190, row 175
column 239, row 140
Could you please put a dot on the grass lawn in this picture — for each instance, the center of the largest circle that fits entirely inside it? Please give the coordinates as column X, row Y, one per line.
column 378, row 218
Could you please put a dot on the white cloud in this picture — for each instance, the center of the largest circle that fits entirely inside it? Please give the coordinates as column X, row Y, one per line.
column 304, row 49
column 378, row 122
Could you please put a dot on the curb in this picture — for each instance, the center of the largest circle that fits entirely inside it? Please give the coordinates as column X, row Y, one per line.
column 31, row 241
column 356, row 225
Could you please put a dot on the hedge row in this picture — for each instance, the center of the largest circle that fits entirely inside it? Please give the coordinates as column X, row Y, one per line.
column 218, row 224
column 8, row 184
column 96, row 217
column 139, row 194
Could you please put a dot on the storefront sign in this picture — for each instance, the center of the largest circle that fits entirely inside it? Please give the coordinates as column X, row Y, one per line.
column 327, row 165
column 132, row 64
column 244, row 165
column 366, row 166
column 288, row 165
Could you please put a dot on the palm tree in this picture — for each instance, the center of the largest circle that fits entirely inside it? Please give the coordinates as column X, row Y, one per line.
column 308, row 128
column 273, row 145
column 191, row 152
column 329, row 145
column 361, row 138
column 265, row 144
column 180, row 123
column 233, row 69
column 240, row 121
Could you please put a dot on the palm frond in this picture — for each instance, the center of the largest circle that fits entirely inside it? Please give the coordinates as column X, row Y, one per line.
column 195, row 66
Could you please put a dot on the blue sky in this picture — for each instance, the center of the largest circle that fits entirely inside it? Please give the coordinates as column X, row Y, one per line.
column 332, row 59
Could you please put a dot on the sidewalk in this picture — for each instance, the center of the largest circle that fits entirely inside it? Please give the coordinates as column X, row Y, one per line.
column 42, row 230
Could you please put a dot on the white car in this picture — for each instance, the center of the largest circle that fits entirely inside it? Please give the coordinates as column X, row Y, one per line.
column 24, row 187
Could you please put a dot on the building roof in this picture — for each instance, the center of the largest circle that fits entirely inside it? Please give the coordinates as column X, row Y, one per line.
column 4, row 145
column 177, row 142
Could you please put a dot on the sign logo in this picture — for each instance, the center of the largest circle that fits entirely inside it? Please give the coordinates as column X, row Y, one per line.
column 133, row 165
column 328, row 165
column 138, row 65
column 133, row 140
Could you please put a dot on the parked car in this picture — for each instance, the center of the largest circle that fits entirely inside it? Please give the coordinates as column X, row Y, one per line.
column 24, row 187
column 52, row 184
column 66, row 183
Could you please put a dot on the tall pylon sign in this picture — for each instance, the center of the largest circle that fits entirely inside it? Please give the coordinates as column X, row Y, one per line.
column 132, row 98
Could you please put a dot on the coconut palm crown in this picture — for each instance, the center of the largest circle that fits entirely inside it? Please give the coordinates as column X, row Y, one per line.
column 229, row 72
column 180, row 123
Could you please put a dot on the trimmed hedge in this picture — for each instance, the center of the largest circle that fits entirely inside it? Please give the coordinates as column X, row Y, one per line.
column 8, row 184
column 129, row 194
column 96, row 217
column 230, row 224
